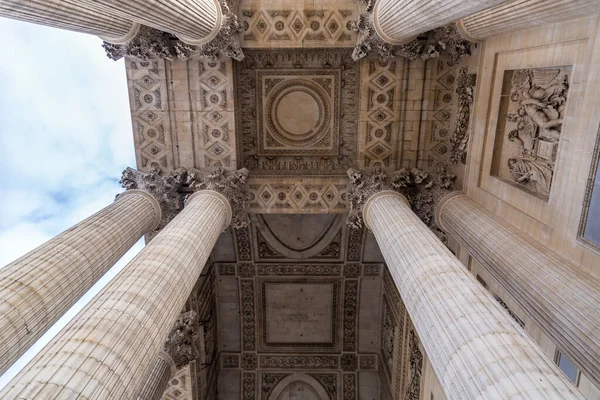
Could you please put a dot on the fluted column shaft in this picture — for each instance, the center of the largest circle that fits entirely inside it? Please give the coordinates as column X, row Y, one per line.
column 400, row 21
column 105, row 351
column 523, row 14
column 158, row 378
column 475, row 348
column 73, row 15
column 193, row 21
column 560, row 298
column 38, row 288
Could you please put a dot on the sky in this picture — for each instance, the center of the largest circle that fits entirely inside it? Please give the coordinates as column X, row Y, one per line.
column 65, row 138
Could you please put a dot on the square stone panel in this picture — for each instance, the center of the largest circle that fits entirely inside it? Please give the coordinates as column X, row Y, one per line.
column 318, row 77
column 299, row 315
column 299, row 110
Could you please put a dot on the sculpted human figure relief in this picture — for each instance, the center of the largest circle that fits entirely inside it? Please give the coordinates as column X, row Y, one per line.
column 533, row 103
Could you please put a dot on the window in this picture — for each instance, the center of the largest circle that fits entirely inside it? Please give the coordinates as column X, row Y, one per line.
column 567, row 367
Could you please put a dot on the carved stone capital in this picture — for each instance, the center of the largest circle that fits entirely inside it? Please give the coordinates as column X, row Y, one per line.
column 224, row 44
column 165, row 189
column 421, row 189
column 232, row 187
column 369, row 41
column 446, row 39
column 443, row 40
column 148, row 43
column 180, row 343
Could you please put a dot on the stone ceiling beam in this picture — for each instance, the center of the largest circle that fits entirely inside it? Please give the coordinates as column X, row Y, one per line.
column 518, row 15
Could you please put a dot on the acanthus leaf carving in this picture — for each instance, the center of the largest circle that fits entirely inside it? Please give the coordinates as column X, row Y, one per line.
column 421, row 189
column 165, row 189
column 446, row 40
column 369, row 41
column 443, row 40
column 460, row 136
column 413, row 391
column 224, row 44
column 231, row 186
column 180, row 342
column 148, row 43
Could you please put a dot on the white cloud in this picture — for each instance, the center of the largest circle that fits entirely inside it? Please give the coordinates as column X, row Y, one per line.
column 65, row 137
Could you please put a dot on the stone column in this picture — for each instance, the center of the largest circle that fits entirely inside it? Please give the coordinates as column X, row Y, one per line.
column 178, row 351
column 195, row 22
column 475, row 348
column 157, row 379
column 560, row 298
column 105, row 351
column 73, row 15
column 518, row 15
column 400, row 21
column 38, row 288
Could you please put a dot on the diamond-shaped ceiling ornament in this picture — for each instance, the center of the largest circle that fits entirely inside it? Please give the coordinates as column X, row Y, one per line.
column 262, row 25
column 266, row 196
column 383, row 80
column 381, row 116
column 216, row 149
column 297, row 25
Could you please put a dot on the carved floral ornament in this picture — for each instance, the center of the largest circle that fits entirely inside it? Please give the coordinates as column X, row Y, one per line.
column 168, row 189
column 446, row 39
column 153, row 43
column 422, row 191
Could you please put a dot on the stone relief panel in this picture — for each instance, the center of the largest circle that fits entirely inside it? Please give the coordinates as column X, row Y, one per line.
column 401, row 359
column 380, row 106
column 336, row 61
column 285, row 237
column 299, row 386
column 179, row 386
column 291, row 195
column 297, row 27
column 215, row 128
column 147, row 84
column 444, row 124
column 299, row 315
column 531, row 113
column 299, row 112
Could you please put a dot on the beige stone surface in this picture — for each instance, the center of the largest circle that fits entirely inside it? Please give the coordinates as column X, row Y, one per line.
column 482, row 343
column 38, row 288
column 554, row 223
column 300, row 24
column 561, row 299
column 518, row 15
column 99, row 354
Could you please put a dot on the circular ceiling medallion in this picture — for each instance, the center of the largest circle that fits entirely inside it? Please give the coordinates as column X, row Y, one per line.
column 298, row 113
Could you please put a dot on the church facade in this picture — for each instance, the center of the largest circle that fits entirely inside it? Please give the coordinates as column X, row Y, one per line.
column 341, row 200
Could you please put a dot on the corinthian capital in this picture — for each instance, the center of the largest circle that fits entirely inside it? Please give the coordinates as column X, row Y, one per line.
column 224, row 44
column 231, row 186
column 369, row 41
column 443, row 40
column 422, row 190
column 181, row 342
column 148, row 43
column 165, row 189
